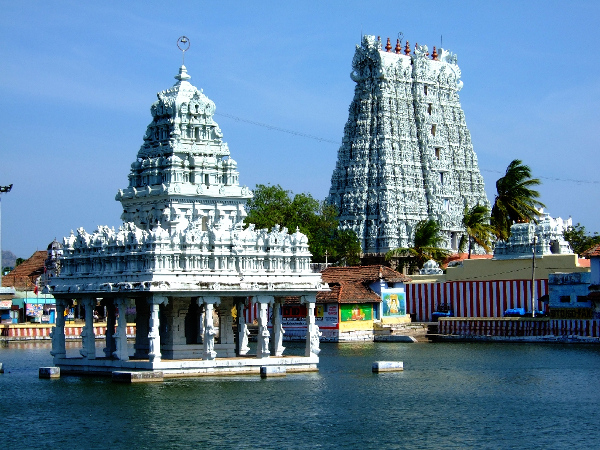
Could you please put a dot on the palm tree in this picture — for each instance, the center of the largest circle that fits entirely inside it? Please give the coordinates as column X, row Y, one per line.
column 426, row 246
column 476, row 221
column 515, row 200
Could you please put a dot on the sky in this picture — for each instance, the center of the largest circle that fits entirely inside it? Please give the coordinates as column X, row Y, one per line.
column 77, row 80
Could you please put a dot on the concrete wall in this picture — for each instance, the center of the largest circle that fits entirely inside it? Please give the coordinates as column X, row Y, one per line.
column 506, row 269
column 566, row 290
column 513, row 269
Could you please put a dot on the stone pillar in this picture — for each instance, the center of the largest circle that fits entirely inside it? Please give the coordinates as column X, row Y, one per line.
column 200, row 337
column 243, row 332
column 154, row 354
column 142, row 319
column 312, row 330
column 278, row 331
column 262, row 346
column 58, row 332
column 208, row 338
column 121, row 335
column 110, row 329
column 226, row 322
column 88, row 337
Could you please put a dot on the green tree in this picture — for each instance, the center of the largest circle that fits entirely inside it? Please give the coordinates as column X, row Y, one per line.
column 427, row 240
column 269, row 206
column 476, row 221
column 579, row 240
column 515, row 200
column 19, row 261
column 273, row 205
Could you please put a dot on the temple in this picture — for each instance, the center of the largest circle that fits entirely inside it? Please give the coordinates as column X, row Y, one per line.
column 545, row 236
column 406, row 154
column 183, row 265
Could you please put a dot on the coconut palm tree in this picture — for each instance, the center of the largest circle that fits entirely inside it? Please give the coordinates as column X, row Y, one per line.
column 515, row 200
column 476, row 221
column 426, row 246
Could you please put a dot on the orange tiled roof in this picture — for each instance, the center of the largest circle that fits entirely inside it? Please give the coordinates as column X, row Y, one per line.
column 24, row 275
column 351, row 284
column 594, row 251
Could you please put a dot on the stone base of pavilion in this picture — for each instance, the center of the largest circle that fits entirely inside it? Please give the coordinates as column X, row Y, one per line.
column 187, row 367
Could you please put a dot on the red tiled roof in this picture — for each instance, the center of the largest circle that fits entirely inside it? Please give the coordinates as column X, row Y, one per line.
column 351, row 284
column 582, row 262
column 461, row 256
column 24, row 275
column 594, row 251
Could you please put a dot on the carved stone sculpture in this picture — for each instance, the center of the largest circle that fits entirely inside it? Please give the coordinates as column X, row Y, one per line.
column 406, row 154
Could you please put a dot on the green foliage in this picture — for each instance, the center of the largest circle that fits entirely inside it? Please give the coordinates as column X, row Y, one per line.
column 273, row 205
column 19, row 261
column 578, row 238
column 515, row 200
column 427, row 241
column 476, row 221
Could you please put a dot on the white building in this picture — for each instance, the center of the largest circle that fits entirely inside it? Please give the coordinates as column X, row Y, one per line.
column 183, row 259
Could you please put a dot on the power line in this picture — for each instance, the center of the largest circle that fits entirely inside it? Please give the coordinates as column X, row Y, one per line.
column 566, row 180
column 273, row 127
column 329, row 141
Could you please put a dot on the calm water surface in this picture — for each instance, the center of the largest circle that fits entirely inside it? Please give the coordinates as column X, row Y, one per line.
column 449, row 396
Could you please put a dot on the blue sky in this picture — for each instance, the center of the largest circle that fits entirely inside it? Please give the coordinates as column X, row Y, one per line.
column 77, row 80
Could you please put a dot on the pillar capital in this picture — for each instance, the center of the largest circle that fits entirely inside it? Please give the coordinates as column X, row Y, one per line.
column 209, row 300
column 158, row 299
column 88, row 300
column 308, row 298
column 263, row 299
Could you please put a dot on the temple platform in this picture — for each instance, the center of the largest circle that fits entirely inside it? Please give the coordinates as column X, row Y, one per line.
column 187, row 367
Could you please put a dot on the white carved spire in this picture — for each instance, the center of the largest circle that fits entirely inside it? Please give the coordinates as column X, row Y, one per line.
column 182, row 75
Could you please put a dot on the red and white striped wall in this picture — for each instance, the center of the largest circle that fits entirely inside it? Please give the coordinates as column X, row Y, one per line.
column 252, row 312
column 472, row 298
column 27, row 332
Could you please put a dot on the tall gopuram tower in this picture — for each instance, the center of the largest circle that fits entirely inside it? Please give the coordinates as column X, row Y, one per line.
column 182, row 258
column 406, row 154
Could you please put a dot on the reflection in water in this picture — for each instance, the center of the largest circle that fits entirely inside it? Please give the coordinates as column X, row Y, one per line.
column 449, row 396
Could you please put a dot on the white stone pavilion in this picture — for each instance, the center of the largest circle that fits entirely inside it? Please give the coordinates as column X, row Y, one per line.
column 406, row 154
column 185, row 260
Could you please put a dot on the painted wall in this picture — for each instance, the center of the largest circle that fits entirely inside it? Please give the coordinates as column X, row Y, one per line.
column 472, row 298
column 595, row 269
column 566, row 290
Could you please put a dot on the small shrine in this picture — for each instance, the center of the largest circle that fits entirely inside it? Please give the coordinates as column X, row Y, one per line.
column 183, row 263
column 545, row 235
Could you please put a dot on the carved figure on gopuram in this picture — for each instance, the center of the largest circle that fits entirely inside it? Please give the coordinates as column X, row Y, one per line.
column 406, row 150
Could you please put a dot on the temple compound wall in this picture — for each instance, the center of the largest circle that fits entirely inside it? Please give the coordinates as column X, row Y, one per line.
column 406, row 154
column 487, row 288
column 184, row 259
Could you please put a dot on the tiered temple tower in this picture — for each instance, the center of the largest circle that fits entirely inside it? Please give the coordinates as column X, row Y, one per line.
column 183, row 256
column 183, row 173
column 406, row 154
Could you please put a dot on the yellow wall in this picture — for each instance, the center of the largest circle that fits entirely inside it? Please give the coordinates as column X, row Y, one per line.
column 356, row 325
column 394, row 320
column 504, row 269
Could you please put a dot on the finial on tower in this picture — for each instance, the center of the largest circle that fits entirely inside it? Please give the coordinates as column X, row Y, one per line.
column 407, row 49
column 388, row 46
column 183, row 44
column 398, row 48
column 182, row 75
column 434, row 55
